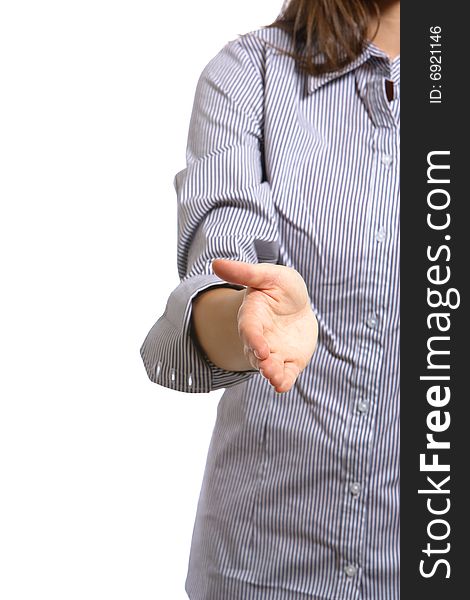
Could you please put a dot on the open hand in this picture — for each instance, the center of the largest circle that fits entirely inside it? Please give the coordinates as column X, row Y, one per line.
column 275, row 321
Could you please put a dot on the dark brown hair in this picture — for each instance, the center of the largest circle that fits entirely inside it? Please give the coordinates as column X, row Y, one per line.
column 335, row 29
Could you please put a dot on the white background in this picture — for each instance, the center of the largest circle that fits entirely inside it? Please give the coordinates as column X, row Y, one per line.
column 100, row 469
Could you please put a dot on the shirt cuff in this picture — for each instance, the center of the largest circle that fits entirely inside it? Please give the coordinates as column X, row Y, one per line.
column 172, row 357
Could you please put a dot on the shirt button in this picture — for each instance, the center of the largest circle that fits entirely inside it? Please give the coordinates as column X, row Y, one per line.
column 363, row 406
column 380, row 234
column 350, row 570
column 386, row 159
column 355, row 488
column 372, row 321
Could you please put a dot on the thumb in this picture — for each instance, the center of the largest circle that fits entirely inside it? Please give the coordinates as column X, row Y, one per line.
column 259, row 275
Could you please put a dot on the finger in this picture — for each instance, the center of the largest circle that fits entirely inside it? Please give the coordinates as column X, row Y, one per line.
column 251, row 332
column 291, row 372
column 282, row 378
column 277, row 379
column 258, row 345
column 259, row 275
column 268, row 368
column 282, row 383
column 250, row 357
column 285, row 386
column 272, row 371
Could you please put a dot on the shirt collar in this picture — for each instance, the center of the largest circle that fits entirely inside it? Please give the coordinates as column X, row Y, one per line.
column 370, row 51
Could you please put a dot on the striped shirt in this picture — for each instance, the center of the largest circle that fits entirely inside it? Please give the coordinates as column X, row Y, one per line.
column 300, row 495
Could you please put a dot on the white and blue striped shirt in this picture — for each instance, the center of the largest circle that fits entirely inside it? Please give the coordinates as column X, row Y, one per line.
column 300, row 496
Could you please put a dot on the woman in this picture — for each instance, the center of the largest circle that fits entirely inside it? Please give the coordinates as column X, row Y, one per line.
column 288, row 255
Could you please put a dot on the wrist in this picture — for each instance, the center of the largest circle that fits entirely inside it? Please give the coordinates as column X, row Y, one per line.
column 215, row 324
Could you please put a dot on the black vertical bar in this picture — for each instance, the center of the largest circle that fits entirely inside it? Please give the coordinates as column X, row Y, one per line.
column 435, row 261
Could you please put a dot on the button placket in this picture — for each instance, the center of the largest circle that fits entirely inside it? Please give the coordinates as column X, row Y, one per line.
column 370, row 349
column 355, row 505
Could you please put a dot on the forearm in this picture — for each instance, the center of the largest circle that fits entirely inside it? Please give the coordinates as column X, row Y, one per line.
column 215, row 326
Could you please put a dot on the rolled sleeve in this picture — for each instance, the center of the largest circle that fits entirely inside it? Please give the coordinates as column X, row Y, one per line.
column 225, row 210
column 171, row 355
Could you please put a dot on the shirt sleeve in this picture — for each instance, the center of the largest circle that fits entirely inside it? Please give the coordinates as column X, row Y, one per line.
column 225, row 210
